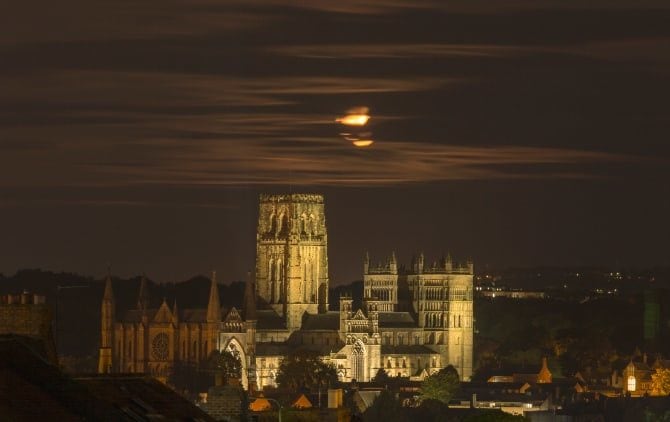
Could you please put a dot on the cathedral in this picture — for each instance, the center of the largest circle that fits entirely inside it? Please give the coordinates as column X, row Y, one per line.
column 414, row 319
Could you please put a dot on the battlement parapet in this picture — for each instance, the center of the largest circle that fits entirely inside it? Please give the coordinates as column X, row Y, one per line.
column 24, row 298
column 466, row 270
column 271, row 237
column 314, row 198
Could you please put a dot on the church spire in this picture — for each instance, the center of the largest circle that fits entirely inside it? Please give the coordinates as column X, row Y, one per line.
column 175, row 312
column 249, row 299
column 214, row 307
column 108, row 296
column 393, row 263
column 107, row 328
column 143, row 297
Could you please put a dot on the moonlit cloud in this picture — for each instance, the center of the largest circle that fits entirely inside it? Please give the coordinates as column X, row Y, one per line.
column 322, row 162
column 143, row 131
column 398, row 51
column 128, row 121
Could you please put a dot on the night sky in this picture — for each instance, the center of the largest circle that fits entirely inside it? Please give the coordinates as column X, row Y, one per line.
column 519, row 133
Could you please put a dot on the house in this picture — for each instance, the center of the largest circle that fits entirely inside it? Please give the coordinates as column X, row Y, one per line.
column 34, row 388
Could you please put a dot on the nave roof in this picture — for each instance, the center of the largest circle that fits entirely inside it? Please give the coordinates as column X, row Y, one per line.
column 396, row 320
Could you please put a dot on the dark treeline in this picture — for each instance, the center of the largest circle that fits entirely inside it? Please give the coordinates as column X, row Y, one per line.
column 592, row 337
column 577, row 278
column 596, row 335
column 76, row 301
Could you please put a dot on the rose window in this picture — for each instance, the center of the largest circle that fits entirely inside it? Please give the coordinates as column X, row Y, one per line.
column 159, row 346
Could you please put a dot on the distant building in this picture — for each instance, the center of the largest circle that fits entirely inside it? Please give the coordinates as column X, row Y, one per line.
column 150, row 341
column 28, row 314
column 636, row 379
column 414, row 321
column 513, row 294
column 541, row 375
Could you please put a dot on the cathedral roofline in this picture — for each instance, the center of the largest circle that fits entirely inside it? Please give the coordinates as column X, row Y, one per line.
column 292, row 197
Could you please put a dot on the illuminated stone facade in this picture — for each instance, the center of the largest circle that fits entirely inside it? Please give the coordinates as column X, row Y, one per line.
column 413, row 321
column 145, row 340
column 291, row 255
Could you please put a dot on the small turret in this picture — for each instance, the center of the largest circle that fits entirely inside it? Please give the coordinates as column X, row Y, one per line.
column 418, row 264
column 374, row 321
column 366, row 262
column 214, row 305
column 544, row 376
column 249, row 306
column 251, row 319
column 346, row 303
column 448, row 264
column 175, row 313
column 393, row 264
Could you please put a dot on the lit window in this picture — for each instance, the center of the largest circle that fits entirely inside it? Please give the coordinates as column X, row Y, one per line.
column 631, row 383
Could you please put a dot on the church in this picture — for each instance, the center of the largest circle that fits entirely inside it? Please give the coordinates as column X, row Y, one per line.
column 414, row 319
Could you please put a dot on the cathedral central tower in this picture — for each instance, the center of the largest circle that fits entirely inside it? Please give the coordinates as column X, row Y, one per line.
column 291, row 255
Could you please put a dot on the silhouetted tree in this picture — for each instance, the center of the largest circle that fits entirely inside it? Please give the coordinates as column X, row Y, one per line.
column 441, row 385
column 385, row 408
column 382, row 377
column 305, row 369
column 224, row 365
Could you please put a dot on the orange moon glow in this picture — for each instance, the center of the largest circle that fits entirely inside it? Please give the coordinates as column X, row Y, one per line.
column 362, row 143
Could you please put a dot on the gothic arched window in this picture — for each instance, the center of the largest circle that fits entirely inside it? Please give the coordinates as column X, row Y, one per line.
column 358, row 361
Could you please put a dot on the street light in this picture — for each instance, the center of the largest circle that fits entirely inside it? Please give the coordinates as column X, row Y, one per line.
column 278, row 405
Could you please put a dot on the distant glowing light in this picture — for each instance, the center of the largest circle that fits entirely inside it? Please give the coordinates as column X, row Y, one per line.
column 359, row 117
column 354, row 119
column 362, row 143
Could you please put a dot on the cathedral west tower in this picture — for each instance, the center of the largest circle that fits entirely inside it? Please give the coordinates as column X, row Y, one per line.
column 291, row 255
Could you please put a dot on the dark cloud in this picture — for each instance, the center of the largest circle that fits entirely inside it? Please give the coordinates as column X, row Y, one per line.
column 182, row 108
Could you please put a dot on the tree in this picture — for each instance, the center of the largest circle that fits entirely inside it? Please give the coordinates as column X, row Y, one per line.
column 432, row 411
column 385, row 408
column 660, row 382
column 441, row 385
column 382, row 377
column 224, row 364
column 305, row 369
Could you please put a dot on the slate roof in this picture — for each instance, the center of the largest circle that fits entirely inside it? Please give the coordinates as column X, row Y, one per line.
column 268, row 319
column 31, row 388
column 363, row 399
column 143, row 398
column 326, row 321
column 492, row 386
column 396, row 320
column 193, row 315
column 135, row 315
column 272, row 349
column 641, row 366
column 409, row 349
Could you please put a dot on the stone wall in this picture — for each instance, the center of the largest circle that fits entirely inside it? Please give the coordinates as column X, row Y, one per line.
column 28, row 315
column 225, row 402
